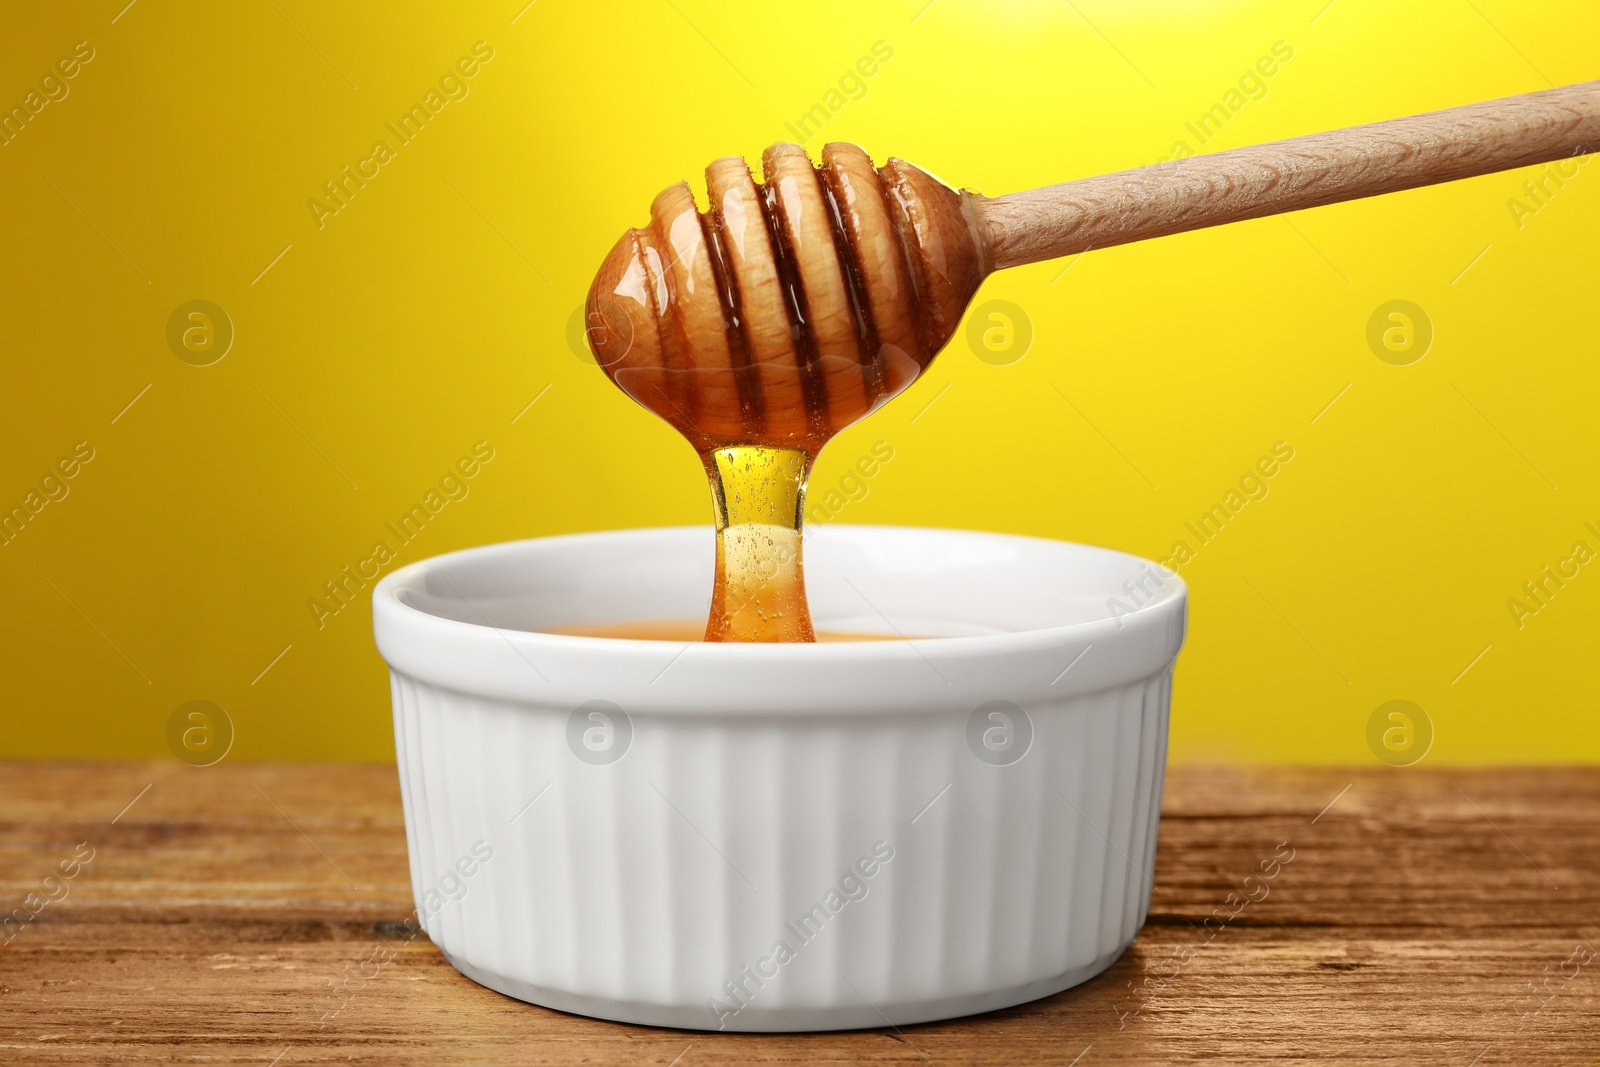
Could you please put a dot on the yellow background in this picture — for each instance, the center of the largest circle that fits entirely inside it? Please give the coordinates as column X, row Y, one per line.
column 429, row 311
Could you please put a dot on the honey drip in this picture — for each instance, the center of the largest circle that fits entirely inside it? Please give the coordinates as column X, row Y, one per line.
column 761, row 328
column 690, row 630
column 759, row 593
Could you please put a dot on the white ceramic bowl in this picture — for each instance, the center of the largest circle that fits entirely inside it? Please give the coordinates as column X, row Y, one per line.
column 783, row 837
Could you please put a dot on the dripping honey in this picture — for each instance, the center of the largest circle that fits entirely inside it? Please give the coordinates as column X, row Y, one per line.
column 687, row 630
column 759, row 329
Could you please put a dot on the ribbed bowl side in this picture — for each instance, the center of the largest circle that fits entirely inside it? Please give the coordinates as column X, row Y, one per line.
column 678, row 869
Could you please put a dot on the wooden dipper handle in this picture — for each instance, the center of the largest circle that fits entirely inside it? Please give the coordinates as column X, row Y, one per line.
column 1268, row 179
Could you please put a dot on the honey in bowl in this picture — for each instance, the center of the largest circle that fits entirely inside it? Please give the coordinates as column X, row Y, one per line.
column 761, row 328
column 686, row 630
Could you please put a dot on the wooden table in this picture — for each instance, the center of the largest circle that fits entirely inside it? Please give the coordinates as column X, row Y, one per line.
column 219, row 903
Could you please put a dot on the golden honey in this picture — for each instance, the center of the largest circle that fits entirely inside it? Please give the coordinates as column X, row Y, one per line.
column 761, row 328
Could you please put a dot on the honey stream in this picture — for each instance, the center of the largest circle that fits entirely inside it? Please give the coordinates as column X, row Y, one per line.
column 761, row 328
column 759, row 495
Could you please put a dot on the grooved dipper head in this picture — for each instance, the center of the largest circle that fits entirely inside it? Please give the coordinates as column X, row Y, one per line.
column 792, row 308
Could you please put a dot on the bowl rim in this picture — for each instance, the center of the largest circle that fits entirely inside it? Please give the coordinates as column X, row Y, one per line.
column 752, row 681
column 389, row 587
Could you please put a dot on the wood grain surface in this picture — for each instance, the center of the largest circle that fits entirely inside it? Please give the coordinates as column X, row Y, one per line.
column 1268, row 179
column 1426, row 917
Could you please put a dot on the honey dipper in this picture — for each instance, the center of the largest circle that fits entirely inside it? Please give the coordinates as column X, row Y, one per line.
column 795, row 307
